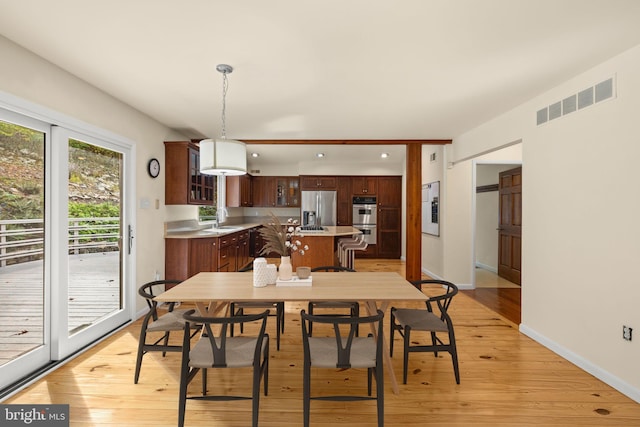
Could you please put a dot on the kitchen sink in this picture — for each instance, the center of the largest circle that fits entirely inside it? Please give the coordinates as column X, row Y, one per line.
column 213, row 231
column 225, row 228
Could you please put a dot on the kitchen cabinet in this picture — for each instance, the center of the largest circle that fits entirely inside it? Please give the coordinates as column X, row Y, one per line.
column 234, row 251
column 317, row 182
column 243, row 252
column 344, row 200
column 184, row 184
column 364, row 185
column 239, row 191
column 227, row 248
column 276, row 191
column 187, row 257
column 263, row 189
column 389, row 217
column 287, row 191
column 389, row 191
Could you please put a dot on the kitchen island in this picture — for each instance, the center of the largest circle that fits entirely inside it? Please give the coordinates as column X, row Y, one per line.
column 322, row 246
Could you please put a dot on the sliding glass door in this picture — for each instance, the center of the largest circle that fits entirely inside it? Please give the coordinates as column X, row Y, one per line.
column 65, row 257
column 90, row 240
column 24, row 281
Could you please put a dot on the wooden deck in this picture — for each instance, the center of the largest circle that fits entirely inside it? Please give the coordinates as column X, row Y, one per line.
column 93, row 293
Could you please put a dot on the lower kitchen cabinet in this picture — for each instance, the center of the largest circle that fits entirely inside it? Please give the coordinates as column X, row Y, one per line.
column 187, row 257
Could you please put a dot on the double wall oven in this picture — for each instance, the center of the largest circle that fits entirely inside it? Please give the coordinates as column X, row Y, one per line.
column 365, row 217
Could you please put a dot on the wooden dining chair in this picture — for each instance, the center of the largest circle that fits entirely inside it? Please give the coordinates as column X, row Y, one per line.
column 216, row 350
column 352, row 306
column 436, row 323
column 162, row 320
column 343, row 350
column 276, row 308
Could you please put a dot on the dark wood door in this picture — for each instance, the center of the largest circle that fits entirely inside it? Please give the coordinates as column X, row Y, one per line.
column 510, row 225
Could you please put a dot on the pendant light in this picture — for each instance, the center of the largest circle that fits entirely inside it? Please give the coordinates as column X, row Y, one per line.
column 223, row 156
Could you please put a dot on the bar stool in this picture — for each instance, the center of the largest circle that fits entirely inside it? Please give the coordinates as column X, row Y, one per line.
column 346, row 251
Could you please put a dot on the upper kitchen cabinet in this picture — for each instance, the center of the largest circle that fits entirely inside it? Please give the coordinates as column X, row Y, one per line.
column 364, row 185
column 276, row 191
column 263, row 188
column 313, row 182
column 389, row 191
column 287, row 191
column 184, row 184
column 239, row 191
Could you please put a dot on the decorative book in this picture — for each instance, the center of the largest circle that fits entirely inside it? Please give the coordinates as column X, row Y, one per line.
column 295, row 281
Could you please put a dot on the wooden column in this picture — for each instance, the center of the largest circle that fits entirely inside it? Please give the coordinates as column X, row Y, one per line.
column 414, row 205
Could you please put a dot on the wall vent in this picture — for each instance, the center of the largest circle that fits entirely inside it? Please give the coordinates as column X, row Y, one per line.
column 570, row 104
column 555, row 110
column 432, row 157
column 585, row 98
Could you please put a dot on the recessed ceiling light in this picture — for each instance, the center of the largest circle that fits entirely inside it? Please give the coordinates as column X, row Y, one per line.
column 384, row 155
column 319, row 155
column 255, row 155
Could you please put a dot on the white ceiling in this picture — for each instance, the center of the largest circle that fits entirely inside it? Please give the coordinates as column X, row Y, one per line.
column 331, row 69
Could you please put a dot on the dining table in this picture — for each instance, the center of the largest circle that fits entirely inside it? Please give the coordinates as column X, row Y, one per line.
column 211, row 293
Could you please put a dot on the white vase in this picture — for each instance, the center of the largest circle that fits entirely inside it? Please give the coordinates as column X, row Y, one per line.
column 260, row 272
column 285, row 271
column 272, row 275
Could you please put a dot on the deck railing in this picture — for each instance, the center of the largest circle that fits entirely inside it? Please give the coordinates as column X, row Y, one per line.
column 22, row 240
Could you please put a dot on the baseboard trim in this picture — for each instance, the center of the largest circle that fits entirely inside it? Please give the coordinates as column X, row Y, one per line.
column 461, row 286
column 487, row 267
column 604, row 376
column 431, row 274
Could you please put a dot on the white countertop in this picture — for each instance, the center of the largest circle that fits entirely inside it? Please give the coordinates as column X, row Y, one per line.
column 209, row 231
column 330, row 231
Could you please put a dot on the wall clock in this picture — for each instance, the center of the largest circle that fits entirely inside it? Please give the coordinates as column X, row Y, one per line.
column 153, row 167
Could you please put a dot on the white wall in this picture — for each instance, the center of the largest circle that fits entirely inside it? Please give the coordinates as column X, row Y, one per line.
column 33, row 79
column 432, row 262
column 580, row 229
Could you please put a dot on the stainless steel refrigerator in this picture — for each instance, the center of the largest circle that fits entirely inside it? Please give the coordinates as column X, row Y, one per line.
column 318, row 208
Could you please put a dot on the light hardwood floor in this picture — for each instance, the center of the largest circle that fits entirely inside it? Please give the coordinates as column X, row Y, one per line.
column 506, row 380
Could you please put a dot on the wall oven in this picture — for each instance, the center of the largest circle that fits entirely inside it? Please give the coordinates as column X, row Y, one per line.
column 364, row 210
column 365, row 217
column 369, row 232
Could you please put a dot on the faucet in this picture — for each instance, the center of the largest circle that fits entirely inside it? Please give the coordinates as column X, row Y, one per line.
column 220, row 217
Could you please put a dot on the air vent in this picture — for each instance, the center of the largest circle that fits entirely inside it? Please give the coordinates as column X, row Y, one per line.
column 570, row 104
column 542, row 116
column 583, row 99
column 555, row 110
column 604, row 90
column 432, row 157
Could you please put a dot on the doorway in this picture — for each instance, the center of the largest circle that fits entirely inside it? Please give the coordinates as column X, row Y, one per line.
column 487, row 223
